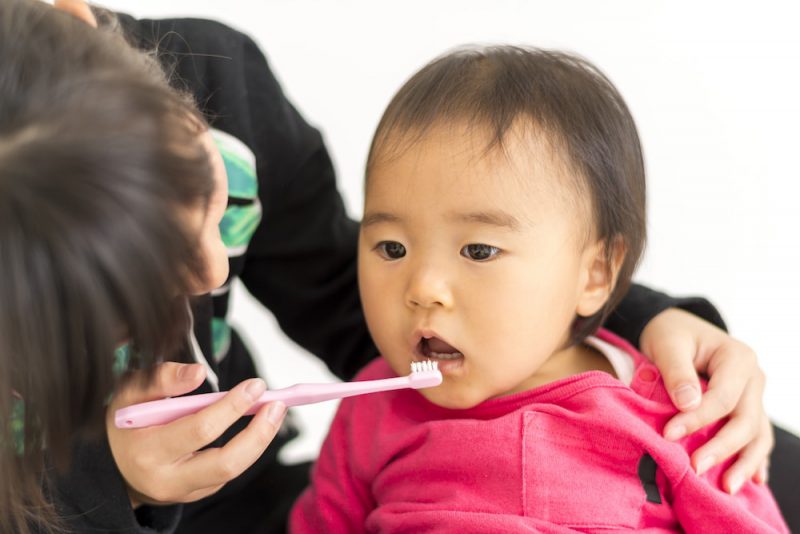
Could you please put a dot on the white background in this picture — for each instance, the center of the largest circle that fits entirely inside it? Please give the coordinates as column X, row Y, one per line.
column 714, row 89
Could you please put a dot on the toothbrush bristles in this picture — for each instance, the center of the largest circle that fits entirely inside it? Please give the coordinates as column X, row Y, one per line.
column 424, row 366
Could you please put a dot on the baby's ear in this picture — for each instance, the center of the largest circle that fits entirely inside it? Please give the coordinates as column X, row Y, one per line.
column 599, row 272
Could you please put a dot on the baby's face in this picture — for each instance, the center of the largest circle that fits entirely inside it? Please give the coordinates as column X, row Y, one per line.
column 476, row 261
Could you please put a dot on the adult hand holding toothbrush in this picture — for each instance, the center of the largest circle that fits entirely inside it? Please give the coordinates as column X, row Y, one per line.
column 165, row 464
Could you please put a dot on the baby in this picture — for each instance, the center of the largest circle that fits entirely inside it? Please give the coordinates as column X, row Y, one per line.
column 504, row 216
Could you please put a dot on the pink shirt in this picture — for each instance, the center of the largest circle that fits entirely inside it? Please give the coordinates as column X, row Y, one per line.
column 569, row 456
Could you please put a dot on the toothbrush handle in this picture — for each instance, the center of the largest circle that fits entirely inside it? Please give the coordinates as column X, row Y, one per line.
column 300, row 394
column 163, row 411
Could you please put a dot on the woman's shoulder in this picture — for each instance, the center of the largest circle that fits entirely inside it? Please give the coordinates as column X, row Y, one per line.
column 193, row 36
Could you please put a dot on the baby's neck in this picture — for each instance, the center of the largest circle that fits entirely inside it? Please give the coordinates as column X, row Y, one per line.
column 591, row 359
column 568, row 362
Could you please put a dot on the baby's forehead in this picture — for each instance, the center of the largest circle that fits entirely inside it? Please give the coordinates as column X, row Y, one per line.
column 525, row 168
column 524, row 155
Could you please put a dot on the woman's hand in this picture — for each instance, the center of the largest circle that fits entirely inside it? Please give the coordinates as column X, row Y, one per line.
column 681, row 346
column 77, row 8
column 164, row 464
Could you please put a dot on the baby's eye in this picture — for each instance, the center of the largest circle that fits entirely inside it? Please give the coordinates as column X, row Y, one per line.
column 391, row 250
column 479, row 252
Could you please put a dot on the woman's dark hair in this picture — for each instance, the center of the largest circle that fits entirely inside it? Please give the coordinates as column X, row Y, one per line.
column 100, row 162
column 493, row 89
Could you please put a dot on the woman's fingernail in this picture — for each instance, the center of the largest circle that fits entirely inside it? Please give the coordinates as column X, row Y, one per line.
column 763, row 474
column 675, row 433
column 705, row 464
column 686, row 396
column 255, row 388
column 275, row 412
column 735, row 484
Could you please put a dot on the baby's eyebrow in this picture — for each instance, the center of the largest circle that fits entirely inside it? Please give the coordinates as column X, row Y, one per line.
column 493, row 218
column 379, row 217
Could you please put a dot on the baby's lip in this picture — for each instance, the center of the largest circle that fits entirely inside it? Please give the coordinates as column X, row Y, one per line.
column 422, row 334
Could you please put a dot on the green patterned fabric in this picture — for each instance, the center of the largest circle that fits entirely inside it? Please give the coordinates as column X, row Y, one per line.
column 240, row 164
column 241, row 218
column 18, row 425
column 241, row 175
column 220, row 337
column 122, row 359
column 239, row 224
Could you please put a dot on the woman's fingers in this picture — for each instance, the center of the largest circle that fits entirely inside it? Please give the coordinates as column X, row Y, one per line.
column 748, row 433
column 161, row 464
column 735, row 382
column 751, row 464
column 762, row 475
column 674, row 357
column 77, row 8
column 682, row 345
column 195, row 431
column 219, row 465
column 670, row 340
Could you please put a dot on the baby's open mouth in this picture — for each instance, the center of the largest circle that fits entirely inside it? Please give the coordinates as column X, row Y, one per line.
column 436, row 348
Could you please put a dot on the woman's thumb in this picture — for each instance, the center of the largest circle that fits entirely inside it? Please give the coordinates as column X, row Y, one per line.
column 681, row 381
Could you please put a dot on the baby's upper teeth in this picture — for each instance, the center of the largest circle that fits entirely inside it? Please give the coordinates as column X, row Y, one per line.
column 446, row 356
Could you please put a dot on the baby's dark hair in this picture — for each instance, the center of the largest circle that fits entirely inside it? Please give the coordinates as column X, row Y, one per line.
column 100, row 161
column 493, row 89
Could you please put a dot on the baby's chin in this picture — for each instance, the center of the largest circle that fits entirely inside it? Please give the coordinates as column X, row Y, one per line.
column 219, row 275
column 444, row 397
column 215, row 275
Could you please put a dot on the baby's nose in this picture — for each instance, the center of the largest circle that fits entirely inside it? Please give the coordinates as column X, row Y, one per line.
column 429, row 287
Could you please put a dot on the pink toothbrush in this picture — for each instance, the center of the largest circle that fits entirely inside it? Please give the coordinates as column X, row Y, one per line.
column 158, row 412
